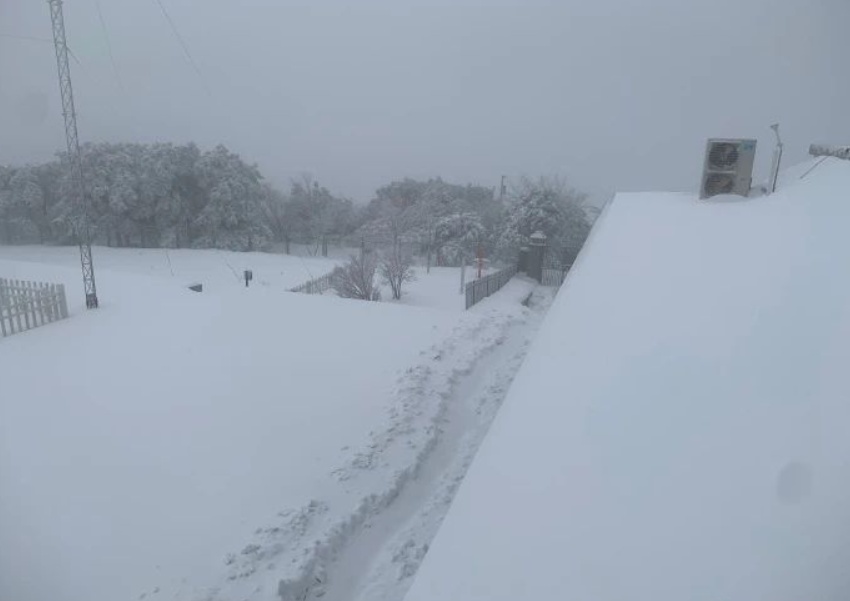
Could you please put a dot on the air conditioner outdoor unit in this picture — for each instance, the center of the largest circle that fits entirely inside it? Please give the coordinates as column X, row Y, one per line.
column 728, row 167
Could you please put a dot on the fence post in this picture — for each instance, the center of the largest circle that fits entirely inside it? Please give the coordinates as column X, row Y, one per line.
column 11, row 304
column 52, row 313
column 35, row 304
column 63, row 302
column 16, row 294
column 40, row 299
column 3, row 307
column 47, row 303
column 25, row 304
column 31, row 303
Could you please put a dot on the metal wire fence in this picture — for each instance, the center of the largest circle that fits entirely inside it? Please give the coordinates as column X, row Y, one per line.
column 482, row 288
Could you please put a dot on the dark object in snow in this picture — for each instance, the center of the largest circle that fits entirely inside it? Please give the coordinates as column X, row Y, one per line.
column 196, row 287
column 536, row 256
column 522, row 262
column 249, row 275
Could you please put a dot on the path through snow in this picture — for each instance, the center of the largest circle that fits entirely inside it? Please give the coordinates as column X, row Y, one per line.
column 381, row 559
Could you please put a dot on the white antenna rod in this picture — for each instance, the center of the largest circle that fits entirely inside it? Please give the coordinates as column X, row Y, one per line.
column 777, row 159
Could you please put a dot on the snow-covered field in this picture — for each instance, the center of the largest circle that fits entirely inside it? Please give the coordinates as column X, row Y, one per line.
column 238, row 444
column 218, row 271
column 679, row 429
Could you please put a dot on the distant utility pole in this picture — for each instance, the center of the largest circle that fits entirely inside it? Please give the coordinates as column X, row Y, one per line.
column 83, row 231
column 777, row 160
column 430, row 242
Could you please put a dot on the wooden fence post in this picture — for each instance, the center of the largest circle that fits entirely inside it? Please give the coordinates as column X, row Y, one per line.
column 39, row 305
column 16, row 291
column 3, row 307
column 22, row 295
column 51, row 305
column 27, row 289
column 40, row 298
column 63, row 302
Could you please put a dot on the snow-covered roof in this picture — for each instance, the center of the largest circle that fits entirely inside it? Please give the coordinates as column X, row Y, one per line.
column 680, row 429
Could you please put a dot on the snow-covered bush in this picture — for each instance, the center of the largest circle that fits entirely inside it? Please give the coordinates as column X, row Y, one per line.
column 356, row 279
column 548, row 206
column 396, row 269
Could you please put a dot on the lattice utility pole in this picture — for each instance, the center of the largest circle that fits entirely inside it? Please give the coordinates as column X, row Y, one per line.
column 83, row 230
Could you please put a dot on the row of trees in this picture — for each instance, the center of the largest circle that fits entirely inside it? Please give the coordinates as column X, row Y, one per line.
column 356, row 279
column 164, row 195
column 459, row 222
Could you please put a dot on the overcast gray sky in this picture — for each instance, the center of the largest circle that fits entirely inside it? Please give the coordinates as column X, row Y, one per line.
column 611, row 94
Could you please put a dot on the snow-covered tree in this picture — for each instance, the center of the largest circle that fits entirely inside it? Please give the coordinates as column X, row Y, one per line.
column 177, row 196
column 315, row 215
column 182, row 195
column 548, row 206
column 232, row 217
column 410, row 211
column 23, row 207
column 139, row 195
column 457, row 237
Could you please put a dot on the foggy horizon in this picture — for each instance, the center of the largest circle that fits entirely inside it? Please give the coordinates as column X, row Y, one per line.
column 618, row 96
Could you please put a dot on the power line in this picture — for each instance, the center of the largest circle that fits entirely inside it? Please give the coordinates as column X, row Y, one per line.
column 109, row 46
column 74, row 56
column 183, row 44
column 25, row 37
column 30, row 38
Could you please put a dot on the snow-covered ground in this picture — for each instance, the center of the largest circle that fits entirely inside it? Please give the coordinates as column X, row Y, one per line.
column 679, row 427
column 217, row 270
column 249, row 444
column 439, row 289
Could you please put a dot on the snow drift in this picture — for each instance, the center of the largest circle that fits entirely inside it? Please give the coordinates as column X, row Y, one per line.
column 679, row 428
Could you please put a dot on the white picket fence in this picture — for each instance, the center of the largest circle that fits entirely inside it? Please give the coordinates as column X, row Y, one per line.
column 319, row 285
column 27, row 305
column 554, row 277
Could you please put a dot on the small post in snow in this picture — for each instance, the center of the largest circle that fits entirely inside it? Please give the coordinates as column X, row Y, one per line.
column 480, row 260
column 430, row 242
column 249, row 275
column 462, row 276
column 777, row 159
